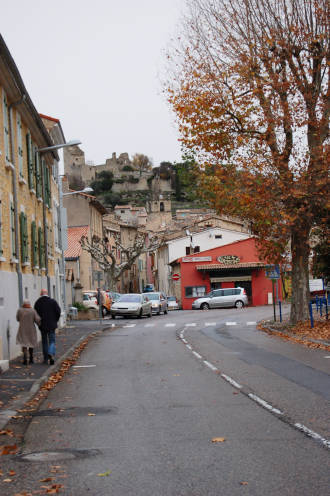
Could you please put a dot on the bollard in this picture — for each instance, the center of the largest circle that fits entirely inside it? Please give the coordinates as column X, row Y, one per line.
column 320, row 302
column 311, row 315
column 326, row 308
column 317, row 302
column 280, row 307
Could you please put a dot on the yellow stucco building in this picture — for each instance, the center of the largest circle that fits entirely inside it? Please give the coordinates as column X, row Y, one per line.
column 28, row 188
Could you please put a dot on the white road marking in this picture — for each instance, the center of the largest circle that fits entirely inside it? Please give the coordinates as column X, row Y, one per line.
column 210, row 324
column 184, row 341
column 149, row 325
column 181, row 335
column 312, row 434
column 231, row 323
column 264, row 403
column 169, row 325
column 197, row 355
column 212, row 367
column 190, row 325
column 130, row 325
column 189, row 347
column 83, row 366
column 231, row 381
column 251, row 323
column 328, row 356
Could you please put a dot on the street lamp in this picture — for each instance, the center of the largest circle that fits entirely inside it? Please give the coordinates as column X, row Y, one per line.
column 85, row 190
column 59, row 182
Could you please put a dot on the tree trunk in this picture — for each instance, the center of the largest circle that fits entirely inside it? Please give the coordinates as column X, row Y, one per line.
column 300, row 275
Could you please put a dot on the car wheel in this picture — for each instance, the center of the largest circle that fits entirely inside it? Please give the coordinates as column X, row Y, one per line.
column 140, row 314
column 204, row 306
column 239, row 304
column 113, row 316
column 166, row 311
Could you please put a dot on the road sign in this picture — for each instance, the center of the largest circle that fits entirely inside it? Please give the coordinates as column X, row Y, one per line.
column 273, row 271
column 176, row 277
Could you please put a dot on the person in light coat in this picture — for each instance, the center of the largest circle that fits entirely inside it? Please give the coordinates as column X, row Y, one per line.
column 27, row 333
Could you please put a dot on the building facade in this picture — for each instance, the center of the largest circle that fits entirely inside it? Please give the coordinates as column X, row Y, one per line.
column 28, row 184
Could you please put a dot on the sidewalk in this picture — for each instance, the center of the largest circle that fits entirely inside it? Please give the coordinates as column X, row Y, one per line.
column 20, row 382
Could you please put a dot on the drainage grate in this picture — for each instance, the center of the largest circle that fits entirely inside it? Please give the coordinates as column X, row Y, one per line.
column 76, row 411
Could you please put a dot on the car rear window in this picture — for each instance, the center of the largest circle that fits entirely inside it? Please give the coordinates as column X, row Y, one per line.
column 130, row 298
column 153, row 296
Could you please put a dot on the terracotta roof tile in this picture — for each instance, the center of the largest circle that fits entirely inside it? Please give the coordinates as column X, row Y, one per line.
column 74, row 236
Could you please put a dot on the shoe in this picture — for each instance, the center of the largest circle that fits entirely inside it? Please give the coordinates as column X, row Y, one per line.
column 51, row 360
column 31, row 356
column 25, row 361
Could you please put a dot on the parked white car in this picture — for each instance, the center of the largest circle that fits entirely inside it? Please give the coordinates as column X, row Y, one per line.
column 218, row 298
column 172, row 303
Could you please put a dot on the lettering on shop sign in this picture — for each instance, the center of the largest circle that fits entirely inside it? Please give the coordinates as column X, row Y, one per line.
column 228, row 259
column 197, row 259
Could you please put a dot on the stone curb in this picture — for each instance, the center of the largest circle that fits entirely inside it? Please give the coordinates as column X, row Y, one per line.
column 6, row 415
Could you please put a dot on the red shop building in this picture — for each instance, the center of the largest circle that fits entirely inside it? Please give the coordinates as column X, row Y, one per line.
column 234, row 265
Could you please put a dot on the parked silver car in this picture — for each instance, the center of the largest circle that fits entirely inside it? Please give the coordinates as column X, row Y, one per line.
column 131, row 304
column 159, row 301
column 228, row 297
column 173, row 303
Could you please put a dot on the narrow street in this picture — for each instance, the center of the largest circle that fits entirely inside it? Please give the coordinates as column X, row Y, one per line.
column 141, row 409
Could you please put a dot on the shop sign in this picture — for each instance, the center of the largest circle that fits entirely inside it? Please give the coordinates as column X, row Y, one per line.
column 228, row 259
column 197, row 259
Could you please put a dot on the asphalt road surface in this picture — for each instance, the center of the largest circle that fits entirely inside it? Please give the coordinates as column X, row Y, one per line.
column 140, row 412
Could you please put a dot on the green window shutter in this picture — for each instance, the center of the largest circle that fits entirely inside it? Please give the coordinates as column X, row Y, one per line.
column 19, row 144
column 21, row 226
column 29, row 152
column 26, row 240
column 37, row 172
column 49, row 199
column 41, row 246
column 12, row 230
column 6, row 127
column 34, row 244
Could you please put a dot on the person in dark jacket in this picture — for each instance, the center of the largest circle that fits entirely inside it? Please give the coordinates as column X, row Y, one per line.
column 49, row 312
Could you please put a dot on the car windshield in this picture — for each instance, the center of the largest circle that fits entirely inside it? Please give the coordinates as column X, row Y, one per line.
column 132, row 298
column 153, row 296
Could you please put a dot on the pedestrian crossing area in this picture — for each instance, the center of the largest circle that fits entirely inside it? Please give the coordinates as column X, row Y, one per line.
column 186, row 325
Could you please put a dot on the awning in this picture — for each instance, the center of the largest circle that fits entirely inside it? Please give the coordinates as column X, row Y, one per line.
column 237, row 266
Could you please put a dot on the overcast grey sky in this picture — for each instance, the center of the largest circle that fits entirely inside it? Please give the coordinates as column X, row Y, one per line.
column 94, row 65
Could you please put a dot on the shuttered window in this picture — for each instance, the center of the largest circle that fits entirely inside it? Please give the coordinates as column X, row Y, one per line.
column 19, row 145
column 6, row 127
column 37, row 172
column 29, row 152
column 34, row 245
column 41, row 248
column 46, row 175
column 12, row 231
column 24, row 238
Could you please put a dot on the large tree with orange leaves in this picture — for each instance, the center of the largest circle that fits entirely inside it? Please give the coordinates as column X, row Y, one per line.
column 250, row 87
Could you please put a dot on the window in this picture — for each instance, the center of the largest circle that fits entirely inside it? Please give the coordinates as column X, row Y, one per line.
column 37, row 172
column 29, row 152
column 187, row 250
column 161, row 207
column 41, row 248
column 19, row 145
column 197, row 249
column 24, row 238
column 6, row 127
column 34, row 245
column 12, row 230
column 194, row 291
column 218, row 236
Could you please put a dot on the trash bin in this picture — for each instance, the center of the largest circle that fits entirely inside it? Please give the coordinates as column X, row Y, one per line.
column 73, row 313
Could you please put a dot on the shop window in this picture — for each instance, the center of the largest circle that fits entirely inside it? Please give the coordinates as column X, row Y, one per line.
column 194, row 291
column 218, row 236
column 197, row 249
column 187, row 250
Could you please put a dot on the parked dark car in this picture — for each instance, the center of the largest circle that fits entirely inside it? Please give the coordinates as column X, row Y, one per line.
column 149, row 288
